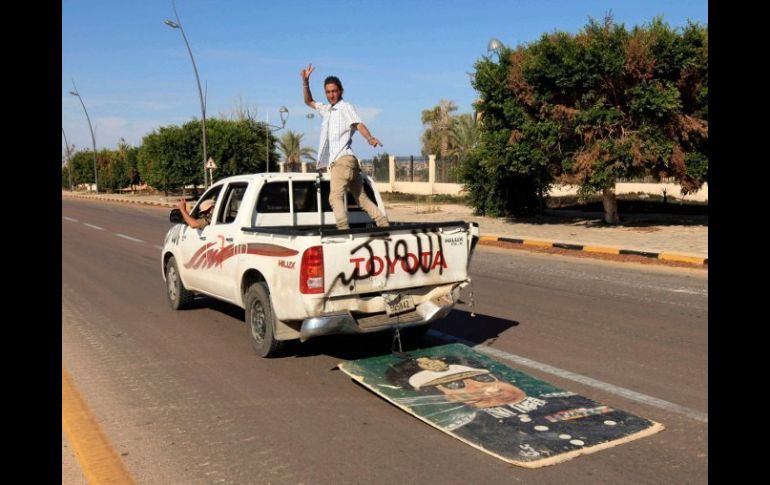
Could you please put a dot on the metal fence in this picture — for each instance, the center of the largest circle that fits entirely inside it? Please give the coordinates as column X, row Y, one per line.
column 411, row 169
column 376, row 168
column 447, row 170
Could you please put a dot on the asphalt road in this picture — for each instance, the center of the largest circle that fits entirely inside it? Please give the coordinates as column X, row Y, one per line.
column 183, row 398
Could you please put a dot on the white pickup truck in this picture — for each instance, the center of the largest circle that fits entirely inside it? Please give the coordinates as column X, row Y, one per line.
column 273, row 249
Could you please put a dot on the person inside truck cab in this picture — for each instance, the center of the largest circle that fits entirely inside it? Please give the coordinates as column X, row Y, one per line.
column 204, row 213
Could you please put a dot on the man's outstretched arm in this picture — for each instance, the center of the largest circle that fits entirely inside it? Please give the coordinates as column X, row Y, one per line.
column 305, row 74
column 182, row 206
column 368, row 135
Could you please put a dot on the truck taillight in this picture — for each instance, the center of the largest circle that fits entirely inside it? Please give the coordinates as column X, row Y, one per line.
column 311, row 271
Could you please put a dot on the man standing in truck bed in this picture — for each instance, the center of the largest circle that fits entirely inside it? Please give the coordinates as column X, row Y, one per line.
column 339, row 122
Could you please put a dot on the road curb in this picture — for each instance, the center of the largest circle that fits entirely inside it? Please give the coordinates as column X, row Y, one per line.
column 532, row 243
column 117, row 199
column 682, row 258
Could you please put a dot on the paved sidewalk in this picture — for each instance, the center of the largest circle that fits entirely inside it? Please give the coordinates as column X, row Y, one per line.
column 659, row 233
column 650, row 233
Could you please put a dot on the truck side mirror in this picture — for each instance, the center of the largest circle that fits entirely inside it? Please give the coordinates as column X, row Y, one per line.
column 176, row 216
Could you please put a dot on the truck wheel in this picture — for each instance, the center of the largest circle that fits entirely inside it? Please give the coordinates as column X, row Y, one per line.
column 261, row 321
column 178, row 296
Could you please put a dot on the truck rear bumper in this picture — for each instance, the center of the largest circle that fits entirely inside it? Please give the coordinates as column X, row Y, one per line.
column 346, row 323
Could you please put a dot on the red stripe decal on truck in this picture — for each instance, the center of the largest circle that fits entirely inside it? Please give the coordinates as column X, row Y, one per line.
column 198, row 257
column 270, row 250
column 206, row 256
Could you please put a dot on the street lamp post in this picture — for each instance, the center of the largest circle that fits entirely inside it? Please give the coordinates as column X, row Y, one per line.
column 69, row 159
column 93, row 139
column 271, row 128
column 178, row 25
column 494, row 45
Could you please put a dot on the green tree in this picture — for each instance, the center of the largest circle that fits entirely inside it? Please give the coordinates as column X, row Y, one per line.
column 132, row 161
column 170, row 157
column 436, row 138
column 113, row 170
column 83, row 167
column 238, row 146
column 602, row 104
column 507, row 172
column 65, row 177
column 114, row 167
column 464, row 136
column 292, row 151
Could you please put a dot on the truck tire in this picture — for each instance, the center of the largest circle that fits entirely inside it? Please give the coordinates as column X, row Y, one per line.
column 261, row 321
column 178, row 296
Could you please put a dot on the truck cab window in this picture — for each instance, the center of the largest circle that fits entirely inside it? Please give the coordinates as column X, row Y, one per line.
column 273, row 198
column 211, row 194
column 233, row 198
column 305, row 197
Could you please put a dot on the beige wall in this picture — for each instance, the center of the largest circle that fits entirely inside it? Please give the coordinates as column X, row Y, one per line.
column 646, row 188
column 426, row 188
column 422, row 188
column 432, row 187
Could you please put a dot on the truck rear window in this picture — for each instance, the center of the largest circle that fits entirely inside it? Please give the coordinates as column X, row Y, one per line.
column 274, row 197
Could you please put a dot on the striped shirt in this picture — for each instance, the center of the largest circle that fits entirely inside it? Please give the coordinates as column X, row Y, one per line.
column 337, row 128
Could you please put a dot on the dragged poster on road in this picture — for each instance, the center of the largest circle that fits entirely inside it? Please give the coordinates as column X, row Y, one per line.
column 497, row 409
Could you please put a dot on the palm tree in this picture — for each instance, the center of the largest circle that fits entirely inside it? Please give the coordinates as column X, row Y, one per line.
column 293, row 153
column 464, row 135
column 436, row 137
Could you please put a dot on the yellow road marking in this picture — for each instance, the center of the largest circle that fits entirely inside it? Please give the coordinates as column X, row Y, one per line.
column 98, row 460
column 601, row 249
column 542, row 244
column 678, row 257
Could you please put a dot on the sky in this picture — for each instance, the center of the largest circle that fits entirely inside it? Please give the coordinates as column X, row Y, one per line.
column 394, row 58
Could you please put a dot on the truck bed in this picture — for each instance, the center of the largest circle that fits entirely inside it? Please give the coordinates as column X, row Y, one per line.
column 331, row 230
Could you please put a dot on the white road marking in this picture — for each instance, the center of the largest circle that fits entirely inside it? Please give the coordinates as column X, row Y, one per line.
column 565, row 374
column 689, row 292
column 117, row 233
column 128, row 237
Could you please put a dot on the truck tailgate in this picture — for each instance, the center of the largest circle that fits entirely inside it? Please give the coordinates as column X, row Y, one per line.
column 395, row 260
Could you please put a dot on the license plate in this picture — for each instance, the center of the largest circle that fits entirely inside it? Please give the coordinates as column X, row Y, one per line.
column 399, row 305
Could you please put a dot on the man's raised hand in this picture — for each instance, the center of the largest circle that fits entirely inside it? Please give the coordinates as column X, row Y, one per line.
column 305, row 73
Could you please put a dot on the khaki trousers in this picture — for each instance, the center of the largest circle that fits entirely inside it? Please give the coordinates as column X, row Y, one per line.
column 345, row 175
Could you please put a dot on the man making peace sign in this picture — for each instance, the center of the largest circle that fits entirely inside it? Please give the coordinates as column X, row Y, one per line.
column 339, row 122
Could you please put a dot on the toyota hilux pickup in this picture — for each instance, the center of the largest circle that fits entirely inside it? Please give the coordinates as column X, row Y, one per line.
column 273, row 249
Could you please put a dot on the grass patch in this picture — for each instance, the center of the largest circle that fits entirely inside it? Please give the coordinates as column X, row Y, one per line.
column 423, row 199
